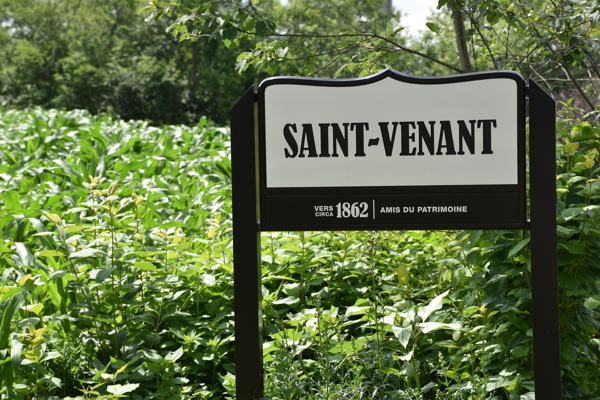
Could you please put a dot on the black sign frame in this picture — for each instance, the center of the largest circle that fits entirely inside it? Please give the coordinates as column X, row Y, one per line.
column 249, row 196
column 491, row 202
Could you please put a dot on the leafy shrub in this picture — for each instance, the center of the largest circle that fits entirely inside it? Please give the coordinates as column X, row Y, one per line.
column 117, row 279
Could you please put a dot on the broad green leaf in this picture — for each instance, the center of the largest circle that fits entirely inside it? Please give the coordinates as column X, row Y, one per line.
column 34, row 308
column 518, row 247
column 8, row 312
column 209, row 280
column 435, row 304
column 90, row 252
column 520, row 351
column 310, row 68
column 52, row 380
column 433, row 27
column 449, row 262
column 261, row 28
column 55, row 295
column 51, row 253
column 429, row 386
column 354, row 310
column 151, row 16
column 408, row 356
column 592, row 302
column 23, row 253
column 119, row 390
column 56, row 274
column 144, row 266
column 15, row 355
column 570, row 213
column 100, row 167
column 402, row 272
column 403, row 334
column 152, row 355
column 565, row 231
column 498, row 382
column 12, row 200
column 75, row 228
column 288, row 300
column 270, row 346
column 10, row 291
column 174, row 355
column 100, row 275
column 50, row 355
column 573, row 249
column 433, row 326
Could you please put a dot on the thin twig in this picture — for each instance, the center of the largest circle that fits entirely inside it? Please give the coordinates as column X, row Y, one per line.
column 370, row 35
column 328, row 52
column 485, row 42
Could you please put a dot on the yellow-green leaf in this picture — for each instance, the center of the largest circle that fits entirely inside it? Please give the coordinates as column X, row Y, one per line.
column 402, row 274
column 53, row 217
column 121, row 369
column 40, row 332
column 144, row 266
column 24, row 279
column 35, row 308
column 51, row 253
column 75, row 228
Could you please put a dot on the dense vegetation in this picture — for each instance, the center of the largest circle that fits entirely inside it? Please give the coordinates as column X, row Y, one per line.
column 117, row 279
column 115, row 244
column 101, row 56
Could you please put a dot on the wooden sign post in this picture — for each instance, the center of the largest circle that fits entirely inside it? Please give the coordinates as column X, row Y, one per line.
column 392, row 152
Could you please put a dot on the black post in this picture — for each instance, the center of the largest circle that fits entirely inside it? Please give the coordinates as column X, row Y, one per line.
column 246, row 251
column 544, row 267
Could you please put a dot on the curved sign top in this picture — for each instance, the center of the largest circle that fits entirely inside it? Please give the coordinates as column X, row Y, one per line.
column 390, row 129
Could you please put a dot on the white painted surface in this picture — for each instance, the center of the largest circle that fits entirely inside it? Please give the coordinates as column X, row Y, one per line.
column 387, row 101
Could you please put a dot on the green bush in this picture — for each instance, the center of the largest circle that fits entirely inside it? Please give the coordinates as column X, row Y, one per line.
column 116, row 266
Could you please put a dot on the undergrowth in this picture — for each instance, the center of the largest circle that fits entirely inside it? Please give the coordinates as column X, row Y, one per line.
column 116, row 266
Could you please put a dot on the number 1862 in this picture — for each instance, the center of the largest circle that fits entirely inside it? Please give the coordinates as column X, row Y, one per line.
column 352, row 210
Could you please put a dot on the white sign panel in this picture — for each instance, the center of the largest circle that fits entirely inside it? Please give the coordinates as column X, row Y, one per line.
column 391, row 133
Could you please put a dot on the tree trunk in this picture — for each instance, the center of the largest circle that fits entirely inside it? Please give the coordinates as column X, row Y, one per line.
column 387, row 7
column 459, row 32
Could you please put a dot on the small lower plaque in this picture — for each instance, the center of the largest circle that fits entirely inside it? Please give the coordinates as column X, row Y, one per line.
column 393, row 211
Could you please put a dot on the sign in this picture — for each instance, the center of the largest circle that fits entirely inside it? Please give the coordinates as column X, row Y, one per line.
column 346, row 155
column 393, row 151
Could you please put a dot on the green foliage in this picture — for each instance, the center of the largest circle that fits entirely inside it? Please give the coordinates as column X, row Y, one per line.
column 554, row 42
column 117, row 279
column 101, row 56
column 105, row 232
column 578, row 188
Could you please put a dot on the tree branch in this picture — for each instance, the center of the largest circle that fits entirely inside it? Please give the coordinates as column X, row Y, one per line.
column 329, row 52
column 370, row 35
column 334, row 60
column 459, row 33
column 565, row 68
column 485, row 42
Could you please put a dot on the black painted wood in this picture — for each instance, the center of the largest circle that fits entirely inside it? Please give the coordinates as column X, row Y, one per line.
column 544, row 267
column 246, row 251
column 246, row 231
